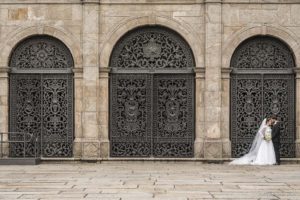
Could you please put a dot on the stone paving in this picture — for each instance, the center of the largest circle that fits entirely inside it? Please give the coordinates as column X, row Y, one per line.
column 149, row 180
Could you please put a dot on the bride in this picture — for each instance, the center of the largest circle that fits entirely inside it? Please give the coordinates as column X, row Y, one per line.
column 261, row 151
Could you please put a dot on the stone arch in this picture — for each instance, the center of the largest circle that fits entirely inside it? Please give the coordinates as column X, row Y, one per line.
column 156, row 65
column 286, row 36
column 20, row 34
column 183, row 30
column 262, row 84
column 41, row 84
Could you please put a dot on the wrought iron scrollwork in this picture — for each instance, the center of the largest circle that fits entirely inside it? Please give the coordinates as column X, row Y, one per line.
column 255, row 96
column 41, row 102
column 262, row 53
column 151, row 47
column 173, row 133
column 41, row 53
column 151, row 114
column 130, row 115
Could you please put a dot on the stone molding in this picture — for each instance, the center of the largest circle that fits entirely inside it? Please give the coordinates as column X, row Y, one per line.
column 120, row 30
column 200, row 72
column 153, row 2
column 225, row 73
column 23, row 32
column 282, row 33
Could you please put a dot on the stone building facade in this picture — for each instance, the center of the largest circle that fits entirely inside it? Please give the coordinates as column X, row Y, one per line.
column 90, row 31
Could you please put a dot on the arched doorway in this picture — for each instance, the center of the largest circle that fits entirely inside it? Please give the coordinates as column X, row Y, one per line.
column 41, row 97
column 262, row 84
column 152, row 95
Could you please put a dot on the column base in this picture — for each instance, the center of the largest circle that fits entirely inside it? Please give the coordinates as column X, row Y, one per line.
column 104, row 149
column 199, row 148
column 213, row 148
column 297, row 149
column 90, row 149
column 226, row 148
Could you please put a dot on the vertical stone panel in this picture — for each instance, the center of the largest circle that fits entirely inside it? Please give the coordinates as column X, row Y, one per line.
column 199, row 112
column 104, row 111
column 213, row 24
column 90, row 47
column 297, row 113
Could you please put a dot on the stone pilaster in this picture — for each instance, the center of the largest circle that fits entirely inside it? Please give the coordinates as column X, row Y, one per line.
column 4, row 92
column 213, row 58
column 200, row 112
column 90, row 115
column 297, row 113
column 78, row 97
column 104, row 111
column 225, row 113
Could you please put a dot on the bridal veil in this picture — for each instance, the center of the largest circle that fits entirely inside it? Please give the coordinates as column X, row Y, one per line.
column 251, row 155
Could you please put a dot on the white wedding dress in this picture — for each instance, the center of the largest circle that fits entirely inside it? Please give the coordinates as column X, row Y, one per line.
column 261, row 151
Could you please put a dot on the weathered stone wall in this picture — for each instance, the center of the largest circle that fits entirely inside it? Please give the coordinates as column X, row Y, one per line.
column 90, row 29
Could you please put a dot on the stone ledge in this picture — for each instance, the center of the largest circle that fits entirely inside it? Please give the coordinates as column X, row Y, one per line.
column 175, row 160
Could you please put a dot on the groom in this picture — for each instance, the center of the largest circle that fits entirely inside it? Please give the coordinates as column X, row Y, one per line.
column 276, row 137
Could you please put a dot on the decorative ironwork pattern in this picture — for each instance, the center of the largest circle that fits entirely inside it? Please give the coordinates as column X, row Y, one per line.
column 173, row 113
column 25, row 117
column 57, row 108
column 255, row 96
column 152, row 47
column 41, row 103
column 41, row 53
column 262, row 53
column 152, row 114
column 131, row 119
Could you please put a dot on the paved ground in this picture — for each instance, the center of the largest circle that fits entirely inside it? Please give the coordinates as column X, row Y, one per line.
column 149, row 180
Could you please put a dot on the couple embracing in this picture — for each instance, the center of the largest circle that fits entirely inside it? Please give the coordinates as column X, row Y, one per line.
column 265, row 146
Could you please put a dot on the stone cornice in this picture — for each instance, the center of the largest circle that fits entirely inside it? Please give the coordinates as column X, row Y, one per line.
column 148, row 2
column 225, row 73
column 4, row 69
column 104, row 70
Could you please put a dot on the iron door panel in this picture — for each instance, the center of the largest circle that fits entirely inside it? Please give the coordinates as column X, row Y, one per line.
column 25, row 114
column 131, row 119
column 256, row 96
column 57, row 115
column 173, row 105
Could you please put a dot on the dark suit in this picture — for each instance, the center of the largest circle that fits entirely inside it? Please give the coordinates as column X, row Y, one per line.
column 276, row 140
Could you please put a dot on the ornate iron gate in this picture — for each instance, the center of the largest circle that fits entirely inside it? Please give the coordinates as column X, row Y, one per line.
column 262, row 84
column 41, row 97
column 152, row 95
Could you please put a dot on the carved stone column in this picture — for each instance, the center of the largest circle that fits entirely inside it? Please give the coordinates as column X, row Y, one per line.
column 104, row 111
column 4, row 92
column 90, row 130
column 213, row 58
column 200, row 112
column 225, row 113
column 297, row 71
column 78, row 98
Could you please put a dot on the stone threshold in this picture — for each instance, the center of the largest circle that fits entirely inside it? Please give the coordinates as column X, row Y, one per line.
column 203, row 160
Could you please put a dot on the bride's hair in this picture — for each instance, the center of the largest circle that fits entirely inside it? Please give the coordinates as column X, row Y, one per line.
column 273, row 117
column 268, row 119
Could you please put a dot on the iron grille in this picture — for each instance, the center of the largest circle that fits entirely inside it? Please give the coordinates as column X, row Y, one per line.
column 262, row 84
column 152, row 95
column 41, row 96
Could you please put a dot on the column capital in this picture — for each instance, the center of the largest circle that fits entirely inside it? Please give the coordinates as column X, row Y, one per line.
column 200, row 72
column 225, row 73
column 297, row 72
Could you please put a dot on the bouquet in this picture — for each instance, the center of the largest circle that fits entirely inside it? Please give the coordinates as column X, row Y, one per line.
column 268, row 134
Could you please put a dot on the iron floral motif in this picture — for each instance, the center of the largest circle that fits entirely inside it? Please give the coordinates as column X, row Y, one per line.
column 257, row 95
column 151, row 113
column 42, row 100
